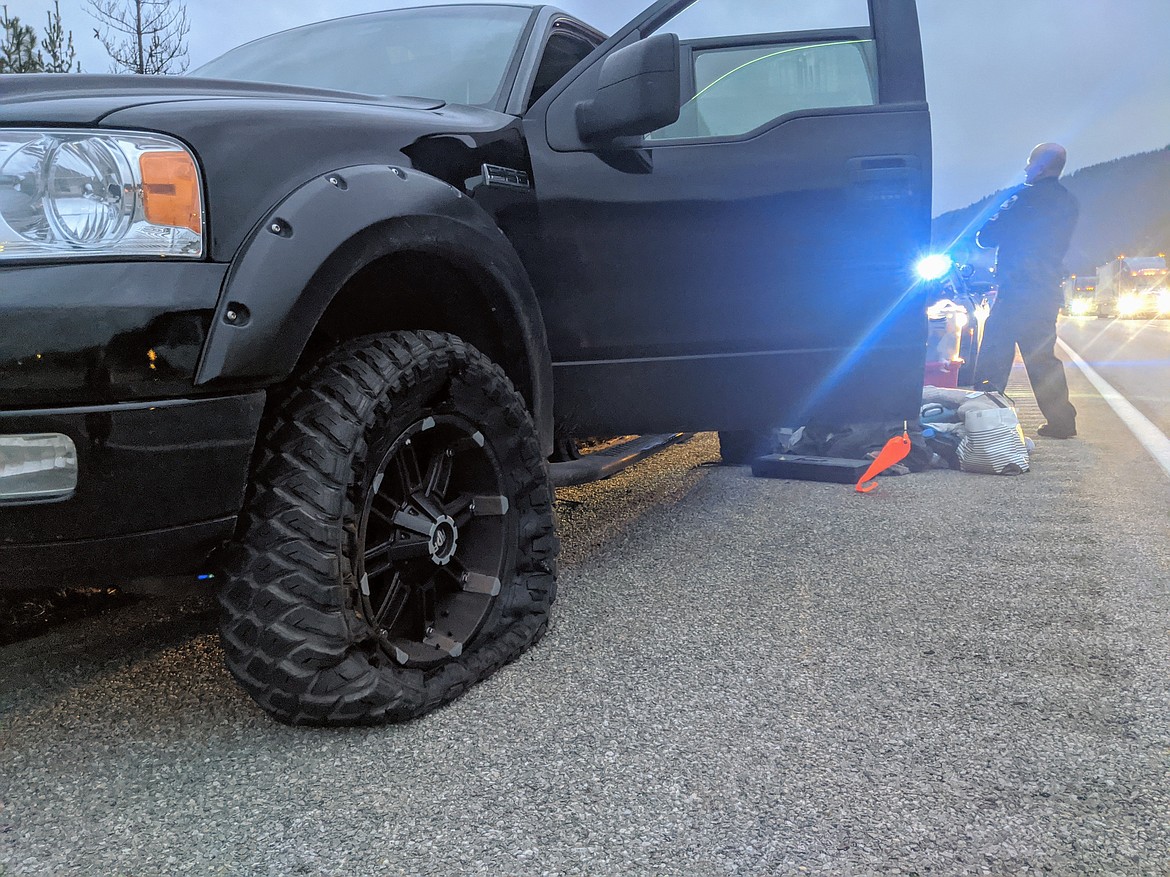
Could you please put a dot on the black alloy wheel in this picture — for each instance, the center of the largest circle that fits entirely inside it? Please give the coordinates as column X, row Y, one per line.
column 398, row 544
column 433, row 538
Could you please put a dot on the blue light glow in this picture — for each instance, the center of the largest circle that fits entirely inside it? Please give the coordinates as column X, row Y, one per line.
column 934, row 266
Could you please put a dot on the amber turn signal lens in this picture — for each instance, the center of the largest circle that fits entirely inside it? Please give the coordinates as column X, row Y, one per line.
column 170, row 190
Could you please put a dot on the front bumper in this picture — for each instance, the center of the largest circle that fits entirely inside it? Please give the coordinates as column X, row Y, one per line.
column 159, row 487
column 103, row 332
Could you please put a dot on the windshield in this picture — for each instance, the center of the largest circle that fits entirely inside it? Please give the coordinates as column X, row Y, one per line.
column 458, row 54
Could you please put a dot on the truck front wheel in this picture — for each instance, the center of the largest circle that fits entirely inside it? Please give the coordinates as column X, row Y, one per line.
column 399, row 544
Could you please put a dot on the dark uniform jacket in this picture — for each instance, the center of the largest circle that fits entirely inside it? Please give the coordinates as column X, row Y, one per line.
column 1032, row 229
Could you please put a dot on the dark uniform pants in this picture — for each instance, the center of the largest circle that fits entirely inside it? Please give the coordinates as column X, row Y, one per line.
column 1030, row 322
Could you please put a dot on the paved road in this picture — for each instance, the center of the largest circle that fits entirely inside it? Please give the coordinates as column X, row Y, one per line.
column 1132, row 355
column 956, row 674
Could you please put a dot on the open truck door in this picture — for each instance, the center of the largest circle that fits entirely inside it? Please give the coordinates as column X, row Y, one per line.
column 732, row 195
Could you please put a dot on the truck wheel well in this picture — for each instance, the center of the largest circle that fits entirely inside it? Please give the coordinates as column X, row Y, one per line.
column 416, row 290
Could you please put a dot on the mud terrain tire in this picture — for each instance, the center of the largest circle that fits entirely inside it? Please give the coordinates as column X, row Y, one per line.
column 402, row 476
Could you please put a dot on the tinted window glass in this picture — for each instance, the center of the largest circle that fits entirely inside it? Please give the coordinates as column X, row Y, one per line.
column 753, row 61
column 720, row 18
column 740, row 89
column 561, row 55
column 458, row 54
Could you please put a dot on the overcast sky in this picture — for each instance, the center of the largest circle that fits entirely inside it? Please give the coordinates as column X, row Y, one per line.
column 1002, row 75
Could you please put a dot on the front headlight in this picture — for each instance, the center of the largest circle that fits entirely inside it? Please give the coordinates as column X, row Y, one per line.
column 1129, row 304
column 81, row 194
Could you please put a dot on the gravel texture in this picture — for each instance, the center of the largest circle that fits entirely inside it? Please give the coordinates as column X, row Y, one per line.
column 955, row 674
column 25, row 614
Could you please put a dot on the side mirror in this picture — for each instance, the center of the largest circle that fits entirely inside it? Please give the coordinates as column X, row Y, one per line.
column 638, row 91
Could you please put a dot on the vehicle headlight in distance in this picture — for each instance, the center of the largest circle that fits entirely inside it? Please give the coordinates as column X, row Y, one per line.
column 1080, row 307
column 81, row 194
column 1129, row 304
column 934, row 266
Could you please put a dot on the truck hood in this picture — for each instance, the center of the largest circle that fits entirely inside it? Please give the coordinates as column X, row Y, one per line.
column 82, row 99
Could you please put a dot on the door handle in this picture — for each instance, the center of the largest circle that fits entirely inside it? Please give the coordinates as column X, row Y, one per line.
column 884, row 177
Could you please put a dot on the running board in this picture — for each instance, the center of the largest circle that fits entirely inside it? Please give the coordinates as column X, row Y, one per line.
column 602, row 464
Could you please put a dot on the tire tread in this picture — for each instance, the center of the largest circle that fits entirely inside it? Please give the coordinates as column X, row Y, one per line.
column 289, row 634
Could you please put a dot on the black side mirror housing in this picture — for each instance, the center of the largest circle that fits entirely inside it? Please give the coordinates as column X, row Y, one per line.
column 638, row 91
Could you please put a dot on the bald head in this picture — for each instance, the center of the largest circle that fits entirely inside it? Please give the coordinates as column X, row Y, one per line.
column 1047, row 160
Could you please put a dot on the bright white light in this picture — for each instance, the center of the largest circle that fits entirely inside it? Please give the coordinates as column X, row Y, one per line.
column 1080, row 307
column 1129, row 304
column 934, row 266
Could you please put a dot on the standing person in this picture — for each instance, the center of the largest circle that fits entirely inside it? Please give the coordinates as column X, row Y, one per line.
column 1032, row 230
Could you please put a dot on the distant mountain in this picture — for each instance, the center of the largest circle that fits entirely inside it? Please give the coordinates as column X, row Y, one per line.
column 1125, row 208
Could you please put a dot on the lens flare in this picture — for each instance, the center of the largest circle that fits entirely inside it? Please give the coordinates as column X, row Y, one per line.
column 934, row 266
column 1129, row 304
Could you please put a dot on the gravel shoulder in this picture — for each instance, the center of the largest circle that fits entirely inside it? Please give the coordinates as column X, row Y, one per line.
column 956, row 674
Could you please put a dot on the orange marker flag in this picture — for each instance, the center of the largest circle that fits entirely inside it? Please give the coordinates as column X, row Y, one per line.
column 895, row 451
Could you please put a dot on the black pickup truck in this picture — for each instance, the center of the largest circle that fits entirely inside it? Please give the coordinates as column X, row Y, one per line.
column 309, row 323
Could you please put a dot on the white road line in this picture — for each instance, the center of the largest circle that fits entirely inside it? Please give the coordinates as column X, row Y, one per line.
column 1152, row 438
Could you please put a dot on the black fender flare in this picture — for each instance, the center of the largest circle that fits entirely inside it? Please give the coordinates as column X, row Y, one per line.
column 306, row 248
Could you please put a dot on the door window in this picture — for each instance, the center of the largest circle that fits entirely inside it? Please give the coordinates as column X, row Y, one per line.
column 750, row 62
column 705, row 19
column 563, row 51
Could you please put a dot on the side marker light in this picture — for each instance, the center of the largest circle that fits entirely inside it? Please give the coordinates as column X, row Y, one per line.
column 170, row 190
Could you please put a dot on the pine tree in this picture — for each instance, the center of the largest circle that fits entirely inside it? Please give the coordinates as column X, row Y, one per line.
column 58, row 53
column 18, row 46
